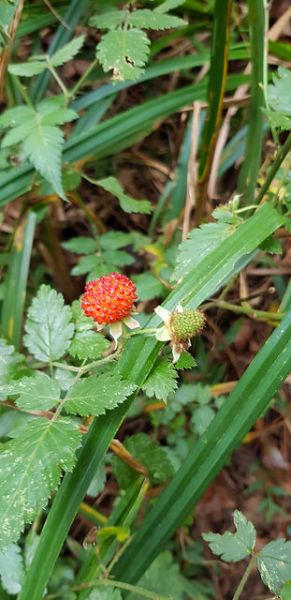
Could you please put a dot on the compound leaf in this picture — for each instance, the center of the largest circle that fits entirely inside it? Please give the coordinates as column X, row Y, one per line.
column 48, row 326
column 233, row 547
column 150, row 454
column 96, row 394
column 31, row 467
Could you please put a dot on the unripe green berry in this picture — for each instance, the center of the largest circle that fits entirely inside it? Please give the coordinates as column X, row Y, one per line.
column 187, row 324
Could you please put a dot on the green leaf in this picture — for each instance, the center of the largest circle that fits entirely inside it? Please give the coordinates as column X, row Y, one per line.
column 39, row 392
column 274, row 564
column 48, row 326
column 103, row 593
column 27, row 69
column 118, row 258
column 110, row 20
column 31, row 467
column 201, row 242
column 43, row 147
column 233, row 547
column 67, row 52
column 279, row 92
column 58, row 116
column 168, row 5
column 150, row 454
column 163, row 577
column 12, row 569
column 201, row 418
column 11, row 363
column 86, row 264
column 88, row 344
column 16, row 116
column 128, row 204
column 113, row 240
column 96, row 394
column 80, row 245
column 148, row 286
column 186, row 361
column 152, row 19
column 161, row 380
column 124, row 52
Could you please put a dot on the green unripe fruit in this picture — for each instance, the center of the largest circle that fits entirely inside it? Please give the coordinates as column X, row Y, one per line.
column 187, row 324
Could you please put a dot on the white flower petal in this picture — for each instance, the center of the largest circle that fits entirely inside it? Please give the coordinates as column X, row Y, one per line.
column 163, row 313
column 179, row 308
column 162, row 334
column 176, row 354
column 131, row 323
column 116, row 331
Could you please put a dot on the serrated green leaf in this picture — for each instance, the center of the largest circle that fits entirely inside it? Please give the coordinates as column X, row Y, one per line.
column 86, row 264
column 27, row 69
column 163, row 577
column 128, row 204
column 96, row 394
column 59, row 116
column 201, row 242
column 162, row 380
column 80, row 245
column 12, row 569
column 150, row 454
column 148, row 286
column 16, row 116
column 11, row 363
column 279, row 92
column 39, row 392
column 233, row 547
column 120, row 258
column 17, row 135
column 67, row 52
column 113, row 240
column 168, row 5
column 186, row 361
column 124, row 52
column 201, row 418
column 48, row 326
column 88, row 344
column 151, row 19
column 30, row 470
column 43, row 147
column 274, row 564
column 110, row 20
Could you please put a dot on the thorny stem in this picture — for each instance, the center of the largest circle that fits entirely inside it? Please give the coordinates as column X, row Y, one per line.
column 60, row 406
column 244, row 578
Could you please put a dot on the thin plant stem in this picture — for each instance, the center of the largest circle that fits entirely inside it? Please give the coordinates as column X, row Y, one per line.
column 23, row 91
column 86, row 368
column 282, row 153
column 75, row 89
column 260, row 315
column 58, row 80
column 244, row 578
column 116, row 584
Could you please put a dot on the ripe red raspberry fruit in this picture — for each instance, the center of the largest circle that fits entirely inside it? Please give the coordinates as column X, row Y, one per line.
column 109, row 298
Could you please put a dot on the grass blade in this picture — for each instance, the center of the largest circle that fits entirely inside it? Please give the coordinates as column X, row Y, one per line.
column 251, row 165
column 136, row 362
column 16, row 280
column 244, row 406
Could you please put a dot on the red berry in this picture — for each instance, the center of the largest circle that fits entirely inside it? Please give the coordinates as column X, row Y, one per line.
column 109, row 298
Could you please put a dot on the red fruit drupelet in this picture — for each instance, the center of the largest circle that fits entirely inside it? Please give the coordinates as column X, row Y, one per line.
column 109, row 298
